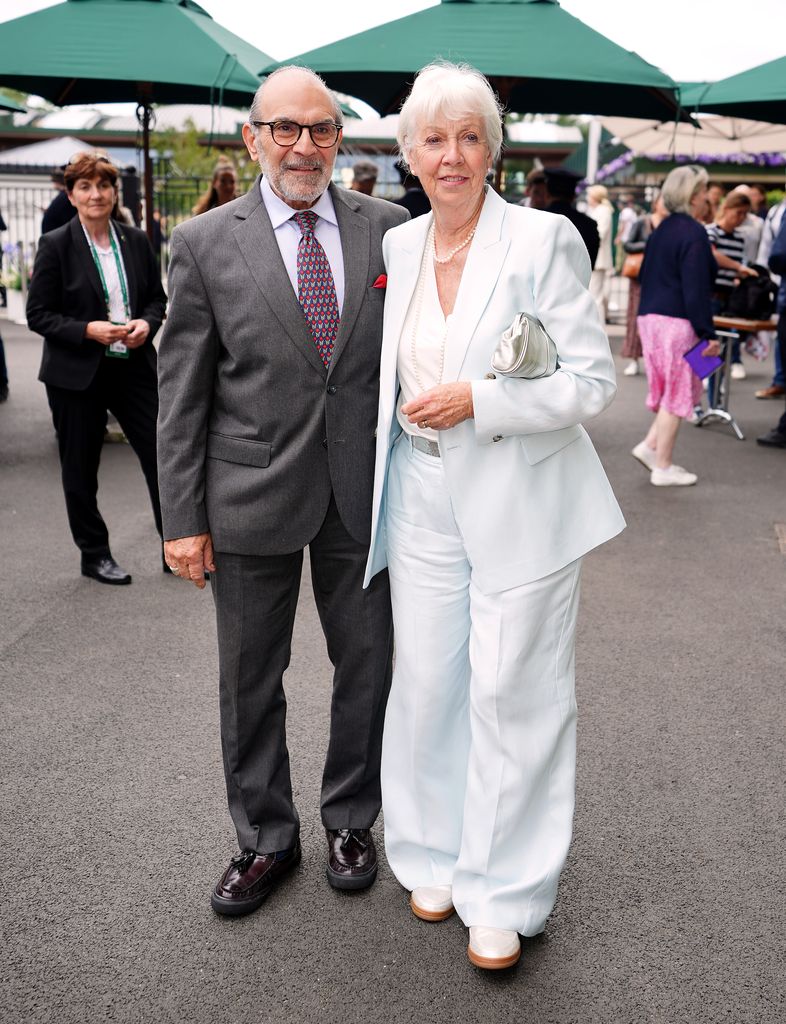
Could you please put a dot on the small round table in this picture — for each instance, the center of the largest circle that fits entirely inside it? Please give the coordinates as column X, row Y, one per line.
column 729, row 327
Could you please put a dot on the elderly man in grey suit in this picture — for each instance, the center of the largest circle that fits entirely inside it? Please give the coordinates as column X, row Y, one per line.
column 269, row 369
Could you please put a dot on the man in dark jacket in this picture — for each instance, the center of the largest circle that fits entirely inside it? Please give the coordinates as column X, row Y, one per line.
column 776, row 438
column 60, row 211
column 414, row 199
column 560, row 193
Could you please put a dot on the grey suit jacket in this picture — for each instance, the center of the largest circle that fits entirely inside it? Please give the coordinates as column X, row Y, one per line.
column 254, row 433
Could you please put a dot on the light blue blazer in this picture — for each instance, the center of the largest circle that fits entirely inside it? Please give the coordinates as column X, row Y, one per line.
column 528, row 490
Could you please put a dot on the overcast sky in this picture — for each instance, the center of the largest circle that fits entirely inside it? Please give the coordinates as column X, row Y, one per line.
column 691, row 40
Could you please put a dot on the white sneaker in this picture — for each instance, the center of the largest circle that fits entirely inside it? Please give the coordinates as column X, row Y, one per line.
column 632, row 369
column 493, row 948
column 645, row 455
column 432, row 902
column 674, row 476
column 738, row 371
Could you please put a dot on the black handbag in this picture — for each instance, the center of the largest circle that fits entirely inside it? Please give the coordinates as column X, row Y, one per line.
column 754, row 297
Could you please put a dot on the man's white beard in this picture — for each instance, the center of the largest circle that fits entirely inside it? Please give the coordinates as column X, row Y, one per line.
column 290, row 187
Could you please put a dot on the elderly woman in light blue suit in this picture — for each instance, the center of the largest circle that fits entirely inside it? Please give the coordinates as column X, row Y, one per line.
column 488, row 493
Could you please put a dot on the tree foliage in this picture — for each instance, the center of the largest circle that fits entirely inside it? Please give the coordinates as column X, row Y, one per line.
column 185, row 153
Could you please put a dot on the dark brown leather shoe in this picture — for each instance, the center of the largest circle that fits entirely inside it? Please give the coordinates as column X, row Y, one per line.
column 352, row 858
column 248, row 880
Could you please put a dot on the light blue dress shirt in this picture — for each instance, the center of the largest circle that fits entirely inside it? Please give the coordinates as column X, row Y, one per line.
column 288, row 235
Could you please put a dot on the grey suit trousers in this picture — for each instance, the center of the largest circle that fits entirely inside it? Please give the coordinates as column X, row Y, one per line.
column 256, row 598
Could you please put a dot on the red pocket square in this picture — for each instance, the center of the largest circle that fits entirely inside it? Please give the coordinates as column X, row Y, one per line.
column 381, row 281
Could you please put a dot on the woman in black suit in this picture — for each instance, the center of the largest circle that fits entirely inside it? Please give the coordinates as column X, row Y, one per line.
column 97, row 299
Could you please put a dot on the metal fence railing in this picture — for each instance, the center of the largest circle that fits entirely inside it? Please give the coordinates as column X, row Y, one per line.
column 25, row 197
column 21, row 208
column 174, row 199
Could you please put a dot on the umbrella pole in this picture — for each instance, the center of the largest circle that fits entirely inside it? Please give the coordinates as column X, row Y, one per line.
column 148, row 169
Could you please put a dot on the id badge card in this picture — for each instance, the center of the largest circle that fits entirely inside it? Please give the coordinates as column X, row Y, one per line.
column 118, row 349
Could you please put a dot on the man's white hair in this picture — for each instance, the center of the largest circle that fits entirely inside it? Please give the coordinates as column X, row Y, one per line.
column 450, row 91
column 254, row 113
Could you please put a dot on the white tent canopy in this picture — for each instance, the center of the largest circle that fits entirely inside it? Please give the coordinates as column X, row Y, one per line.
column 717, row 136
column 49, row 153
column 58, row 151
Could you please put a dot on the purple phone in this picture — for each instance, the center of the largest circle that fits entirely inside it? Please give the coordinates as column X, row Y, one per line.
column 701, row 365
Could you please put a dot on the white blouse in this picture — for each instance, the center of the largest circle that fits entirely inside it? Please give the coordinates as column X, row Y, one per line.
column 421, row 358
column 117, row 309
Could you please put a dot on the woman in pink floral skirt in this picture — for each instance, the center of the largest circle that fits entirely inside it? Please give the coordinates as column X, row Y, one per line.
column 674, row 315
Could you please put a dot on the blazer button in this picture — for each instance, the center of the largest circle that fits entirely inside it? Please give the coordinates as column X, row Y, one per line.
column 332, row 389
column 324, row 442
column 497, row 437
column 490, row 376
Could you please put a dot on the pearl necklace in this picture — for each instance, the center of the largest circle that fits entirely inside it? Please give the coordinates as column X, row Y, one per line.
column 452, row 253
column 446, row 259
column 428, row 251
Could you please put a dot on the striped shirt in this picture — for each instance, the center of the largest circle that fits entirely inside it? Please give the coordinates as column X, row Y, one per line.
column 731, row 244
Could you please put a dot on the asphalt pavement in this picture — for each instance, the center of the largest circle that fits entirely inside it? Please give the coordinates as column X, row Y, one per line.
column 113, row 824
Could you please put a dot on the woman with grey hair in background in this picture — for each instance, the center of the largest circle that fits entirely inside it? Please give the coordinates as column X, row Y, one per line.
column 675, row 313
column 487, row 494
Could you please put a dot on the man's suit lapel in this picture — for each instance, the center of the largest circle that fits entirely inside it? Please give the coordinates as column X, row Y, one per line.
column 355, row 246
column 481, row 271
column 85, row 258
column 257, row 242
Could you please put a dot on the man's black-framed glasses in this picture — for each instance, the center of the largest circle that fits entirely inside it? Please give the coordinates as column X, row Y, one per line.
column 286, row 133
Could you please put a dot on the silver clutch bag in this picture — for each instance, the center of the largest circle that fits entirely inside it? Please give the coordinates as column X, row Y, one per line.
column 525, row 350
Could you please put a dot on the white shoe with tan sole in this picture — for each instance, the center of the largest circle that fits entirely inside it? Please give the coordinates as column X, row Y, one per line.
column 673, row 476
column 493, row 949
column 432, row 902
column 645, row 455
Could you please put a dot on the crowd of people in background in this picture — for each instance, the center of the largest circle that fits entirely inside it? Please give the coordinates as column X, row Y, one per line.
column 739, row 231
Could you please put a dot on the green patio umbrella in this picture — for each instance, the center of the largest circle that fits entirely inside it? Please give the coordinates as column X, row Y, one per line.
column 759, row 94
column 147, row 51
column 538, row 57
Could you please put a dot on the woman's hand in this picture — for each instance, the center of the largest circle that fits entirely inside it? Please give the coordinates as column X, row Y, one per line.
column 747, row 271
column 106, row 333
column 712, row 348
column 138, row 331
column 441, row 407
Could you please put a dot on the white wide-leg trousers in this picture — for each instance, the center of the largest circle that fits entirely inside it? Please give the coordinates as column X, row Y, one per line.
column 479, row 748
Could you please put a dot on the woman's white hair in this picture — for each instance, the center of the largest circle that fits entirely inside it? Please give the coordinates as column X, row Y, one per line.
column 681, row 185
column 449, row 91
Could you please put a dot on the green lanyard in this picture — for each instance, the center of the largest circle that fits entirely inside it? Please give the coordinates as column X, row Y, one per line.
column 120, row 271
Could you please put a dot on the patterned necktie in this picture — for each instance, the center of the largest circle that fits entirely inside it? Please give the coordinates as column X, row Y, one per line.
column 316, row 290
